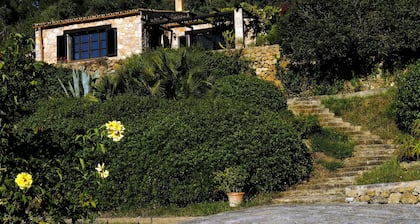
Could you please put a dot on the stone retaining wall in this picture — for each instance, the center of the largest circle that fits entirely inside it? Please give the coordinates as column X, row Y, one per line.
column 388, row 193
column 263, row 59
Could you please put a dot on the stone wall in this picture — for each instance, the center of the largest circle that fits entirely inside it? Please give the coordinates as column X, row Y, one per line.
column 263, row 59
column 389, row 193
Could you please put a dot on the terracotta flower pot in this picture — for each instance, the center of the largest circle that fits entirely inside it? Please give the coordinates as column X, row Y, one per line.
column 235, row 198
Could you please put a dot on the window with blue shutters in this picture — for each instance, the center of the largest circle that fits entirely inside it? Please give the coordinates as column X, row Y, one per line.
column 87, row 43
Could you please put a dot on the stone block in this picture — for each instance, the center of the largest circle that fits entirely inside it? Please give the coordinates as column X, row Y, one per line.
column 379, row 200
column 371, row 193
column 408, row 198
column 394, row 198
column 385, row 193
column 364, row 198
column 416, row 191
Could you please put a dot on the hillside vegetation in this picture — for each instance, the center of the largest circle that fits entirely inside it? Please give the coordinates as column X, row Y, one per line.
column 174, row 121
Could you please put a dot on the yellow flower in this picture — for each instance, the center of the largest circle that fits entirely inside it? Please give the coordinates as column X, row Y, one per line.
column 116, row 136
column 24, row 180
column 102, row 171
column 115, row 130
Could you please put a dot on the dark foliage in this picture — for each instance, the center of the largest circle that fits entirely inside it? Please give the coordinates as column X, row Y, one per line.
column 332, row 40
column 251, row 90
column 407, row 101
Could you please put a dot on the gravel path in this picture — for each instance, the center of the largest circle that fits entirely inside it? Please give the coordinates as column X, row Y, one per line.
column 333, row 213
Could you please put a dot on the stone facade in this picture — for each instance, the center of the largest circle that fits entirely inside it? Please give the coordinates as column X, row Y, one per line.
column 129, row 37
column 389, row 193
column 264, row 59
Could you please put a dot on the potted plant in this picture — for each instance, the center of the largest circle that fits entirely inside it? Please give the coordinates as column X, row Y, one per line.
column 232, row 181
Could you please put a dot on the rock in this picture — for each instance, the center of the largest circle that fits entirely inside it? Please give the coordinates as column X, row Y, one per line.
column 408, row 198
column 394, row 198
column 385, row 193
column 364, row 198
column 349, row 200
column 416, row 191
column 371, row 193
column 379, row 200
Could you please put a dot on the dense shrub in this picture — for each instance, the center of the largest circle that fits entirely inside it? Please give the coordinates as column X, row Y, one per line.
column 172, row 149
column 338, row 40
column 408, row 97
column 251, row 90
column 173, row 74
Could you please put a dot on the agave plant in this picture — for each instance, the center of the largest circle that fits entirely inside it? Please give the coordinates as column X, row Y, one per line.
column 82, row 79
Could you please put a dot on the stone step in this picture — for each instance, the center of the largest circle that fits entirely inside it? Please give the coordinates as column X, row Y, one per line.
column 352, row 173
column 330, row 191
column 374, row 154
column 351, row 130
column 368, row 156
column 362, row 169
column 354, row 162
column 310, row 199
column 332, row 180
column 369, row 152
column 304, row 106
column 313, row 111
column 337, row 124
column 325, row 117
column 324, row 186
column 303, row 102
column 367, row 140
column 373, row 147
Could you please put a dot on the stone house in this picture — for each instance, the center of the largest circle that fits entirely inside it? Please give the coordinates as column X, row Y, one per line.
column 116, row 36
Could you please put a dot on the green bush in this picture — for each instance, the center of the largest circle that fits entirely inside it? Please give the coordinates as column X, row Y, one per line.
column 172, row 149
column 250, row 90
column 334, row 40
column 408, row 97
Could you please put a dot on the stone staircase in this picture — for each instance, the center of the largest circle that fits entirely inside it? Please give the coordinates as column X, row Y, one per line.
column 370, row 151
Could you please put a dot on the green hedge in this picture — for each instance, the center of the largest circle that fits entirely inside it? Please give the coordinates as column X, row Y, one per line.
column 408, row 97
column 172, row 149
column 251, row 90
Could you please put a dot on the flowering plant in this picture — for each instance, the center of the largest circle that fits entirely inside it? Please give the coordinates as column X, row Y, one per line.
column 36, row 191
